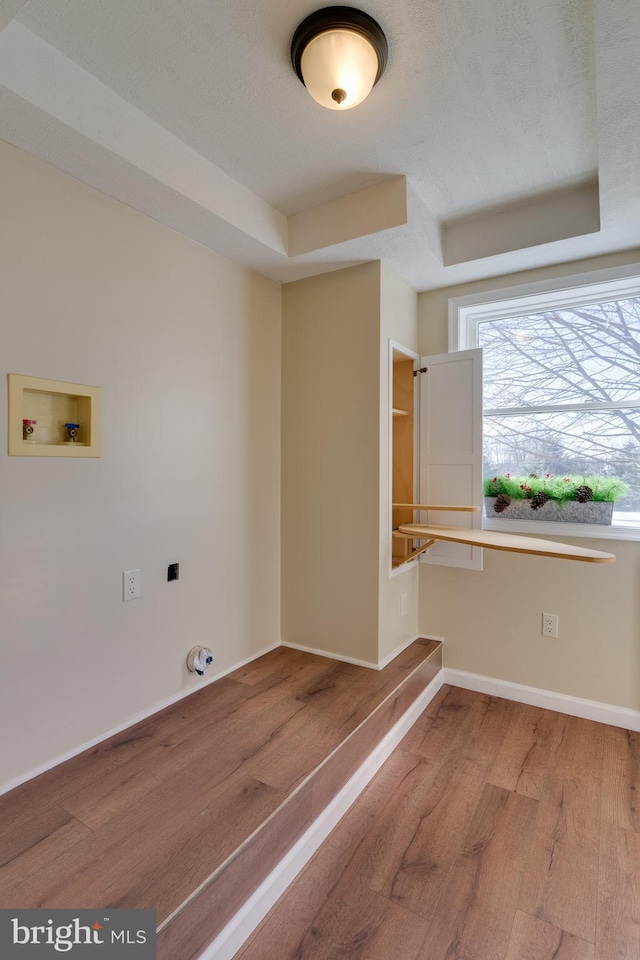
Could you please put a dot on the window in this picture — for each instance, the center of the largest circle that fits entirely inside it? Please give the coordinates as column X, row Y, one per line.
column 561, row 380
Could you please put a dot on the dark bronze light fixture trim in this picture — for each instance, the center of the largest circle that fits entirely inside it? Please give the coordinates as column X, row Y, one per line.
column 339, row 18
column 339, row 54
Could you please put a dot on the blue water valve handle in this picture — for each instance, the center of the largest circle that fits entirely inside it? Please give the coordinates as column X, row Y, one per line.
column 72, row 432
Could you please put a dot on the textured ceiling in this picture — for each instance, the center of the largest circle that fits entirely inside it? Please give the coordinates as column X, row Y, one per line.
column 499, row 114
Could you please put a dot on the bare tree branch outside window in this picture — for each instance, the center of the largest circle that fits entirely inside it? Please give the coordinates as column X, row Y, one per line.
column 586, row 358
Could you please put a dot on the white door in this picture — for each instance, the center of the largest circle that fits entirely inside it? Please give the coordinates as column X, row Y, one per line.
column 451, row 449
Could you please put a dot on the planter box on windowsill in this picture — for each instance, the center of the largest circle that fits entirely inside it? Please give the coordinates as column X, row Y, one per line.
column 595, row 511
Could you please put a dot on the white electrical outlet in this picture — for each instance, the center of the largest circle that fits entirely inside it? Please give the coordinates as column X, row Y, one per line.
column 130, row 585
column 549, row 625
column 403, row 604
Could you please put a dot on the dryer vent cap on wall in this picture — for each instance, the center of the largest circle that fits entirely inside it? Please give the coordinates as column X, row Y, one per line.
column 199, row 659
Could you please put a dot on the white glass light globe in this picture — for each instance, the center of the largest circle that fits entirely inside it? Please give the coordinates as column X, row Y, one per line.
column 335, row 61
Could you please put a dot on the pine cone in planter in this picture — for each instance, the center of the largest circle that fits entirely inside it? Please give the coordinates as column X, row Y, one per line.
column 502, row 502
column 584, row 494
column 539, row 499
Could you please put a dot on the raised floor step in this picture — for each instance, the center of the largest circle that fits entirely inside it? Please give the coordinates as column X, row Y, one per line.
column 207, row 913
column 189, row 811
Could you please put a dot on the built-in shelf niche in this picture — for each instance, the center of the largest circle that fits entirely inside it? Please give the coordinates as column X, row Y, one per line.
column 53, row 403
column 403, row 445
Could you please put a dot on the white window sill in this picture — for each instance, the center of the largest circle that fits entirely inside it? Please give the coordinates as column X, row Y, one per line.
column 617, row 531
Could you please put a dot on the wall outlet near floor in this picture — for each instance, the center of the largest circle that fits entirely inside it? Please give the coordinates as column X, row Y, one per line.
column 549, row 625
column 130, row 585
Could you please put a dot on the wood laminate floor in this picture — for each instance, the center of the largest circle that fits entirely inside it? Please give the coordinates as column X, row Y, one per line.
column 142, row 819
column 496, row 831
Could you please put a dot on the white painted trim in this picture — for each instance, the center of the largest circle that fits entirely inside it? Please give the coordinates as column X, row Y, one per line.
column 576, row 286
column 596, row 286
column 401, row 348
column 252, row 912
column 437, row 392
column 363, row 663
column 551, row 528
column 403, row 646
column 561, row 408
column 8, row 785
column 398, row 650
column 156, row 708
column 332, row 656
column 394, row 345
column 398, row 571
column 37, row 72
column 623, row 717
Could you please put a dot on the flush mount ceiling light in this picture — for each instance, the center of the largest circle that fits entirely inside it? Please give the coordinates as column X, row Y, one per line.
column 339, row 54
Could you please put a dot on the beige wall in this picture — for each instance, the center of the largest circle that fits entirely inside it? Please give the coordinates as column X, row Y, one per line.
column 337, row 595
column 330, row 462
column 186, row 348
column 433, row 305
column 398, row 322
column 491, row 620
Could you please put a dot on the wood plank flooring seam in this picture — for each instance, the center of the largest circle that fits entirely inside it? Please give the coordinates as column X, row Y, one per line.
column 357, row 852
column 533, row 939
column 74, row 816
column 42, row 838
column 618, row 935
column 600, row 853
column 464, row 854
column 574, row 775
column 291, row 798
column 407, row 909
column 570, row 844
column 193, row 929
column 562, row 878
column 105, row 835
column 442, row 805
column 356, row 856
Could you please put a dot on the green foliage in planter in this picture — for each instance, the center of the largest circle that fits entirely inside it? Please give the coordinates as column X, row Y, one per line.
column 560, row 489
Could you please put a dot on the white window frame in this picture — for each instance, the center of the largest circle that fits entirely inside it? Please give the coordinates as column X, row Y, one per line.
column 465, row 313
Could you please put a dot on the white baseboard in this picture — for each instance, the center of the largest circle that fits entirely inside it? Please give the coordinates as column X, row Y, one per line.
column 240, row 928
column 8, row 785
column 365, row 663
column 623, row 717
column 155, row 708
column 398, row 650
column 332, row 656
